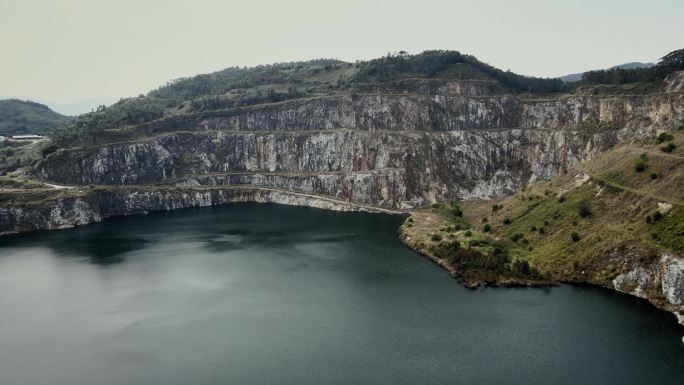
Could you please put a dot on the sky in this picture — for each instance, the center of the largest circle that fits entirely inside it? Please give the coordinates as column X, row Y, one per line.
column 84, row 52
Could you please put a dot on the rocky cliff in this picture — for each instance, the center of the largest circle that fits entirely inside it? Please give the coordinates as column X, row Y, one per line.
column 392, row 150
column 661, row 282
column 94, row 205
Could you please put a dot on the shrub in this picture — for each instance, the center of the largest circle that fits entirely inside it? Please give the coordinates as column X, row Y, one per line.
column 533, row 228
column 506, row 221
column 669, row 147
column 654, row 175
column 485, row 220
column 640, row 165
column 584, row 209
column 648, row 219
column 542, row 231
column 487, row 228
column 516, row 237
column 657, row 216
column 561, row 199
column 496, row 208
column 664, row 137
column 521, row 266
column 455, row 210
column 436, row 237
column 468, row 233
column 575, row 236
column 574, row 222
column 49, row 150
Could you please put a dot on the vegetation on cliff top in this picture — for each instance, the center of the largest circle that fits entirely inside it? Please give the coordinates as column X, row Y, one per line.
column 239, row 87
column 674, row 61
column 451, row 65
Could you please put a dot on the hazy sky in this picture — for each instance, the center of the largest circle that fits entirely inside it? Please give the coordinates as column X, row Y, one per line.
column 69, row 50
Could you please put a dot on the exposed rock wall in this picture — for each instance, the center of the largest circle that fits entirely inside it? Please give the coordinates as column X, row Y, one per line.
column 95, row 206
column 388, row 169
column 661, row 282
column 439, row 112
column 401, row 145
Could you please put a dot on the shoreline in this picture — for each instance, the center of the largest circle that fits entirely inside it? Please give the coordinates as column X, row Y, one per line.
column 70, row 212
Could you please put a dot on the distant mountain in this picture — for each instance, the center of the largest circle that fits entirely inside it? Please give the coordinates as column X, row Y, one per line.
column 19, row 117
column 80, row 107
column 69, row 109
column 578, row 77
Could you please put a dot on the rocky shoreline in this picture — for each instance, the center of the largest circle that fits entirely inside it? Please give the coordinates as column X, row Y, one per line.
column 661, row 282
column 471, row 282
column 86, row 207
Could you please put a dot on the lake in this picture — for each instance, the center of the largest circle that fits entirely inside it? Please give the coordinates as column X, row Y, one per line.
column 271, row 294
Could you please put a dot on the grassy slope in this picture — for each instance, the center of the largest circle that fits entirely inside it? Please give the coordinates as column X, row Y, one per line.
column 537, row 226
column 23, row 117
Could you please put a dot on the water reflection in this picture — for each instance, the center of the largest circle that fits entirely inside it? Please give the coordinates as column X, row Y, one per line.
column 97, row 245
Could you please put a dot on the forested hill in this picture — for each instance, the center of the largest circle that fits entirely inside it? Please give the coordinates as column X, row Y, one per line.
column 324, row 75
column 19, row 117
column 240, row 87
column 627, row 66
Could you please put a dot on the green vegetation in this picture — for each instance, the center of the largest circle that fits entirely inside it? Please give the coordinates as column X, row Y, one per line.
column 664, row 137
column 89, row 128
column 16, row 154
column 573, row 231
column 669, row 147
column 183, row 103
column 575, row 236
column 674, row 61
column 15, row 183
column 640, row 165
column 304, row 77
column 584, row 208
column 453, row 65
column 18, row 117
column 668, row 230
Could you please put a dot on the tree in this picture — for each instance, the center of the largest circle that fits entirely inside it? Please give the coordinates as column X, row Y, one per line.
column 673, row 61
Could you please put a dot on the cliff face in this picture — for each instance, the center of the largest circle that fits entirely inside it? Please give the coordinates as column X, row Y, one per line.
column 387, row 150
column 661, row 282
column 96, row 205
column 396, row 170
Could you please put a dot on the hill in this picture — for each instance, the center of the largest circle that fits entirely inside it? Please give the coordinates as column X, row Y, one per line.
column 26, row 117
column 632, row 65
column 181, row 101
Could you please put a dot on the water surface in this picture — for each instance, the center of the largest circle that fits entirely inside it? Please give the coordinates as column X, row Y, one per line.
column 269, row 294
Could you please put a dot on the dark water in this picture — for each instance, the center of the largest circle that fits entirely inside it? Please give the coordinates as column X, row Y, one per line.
column 267, row 294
